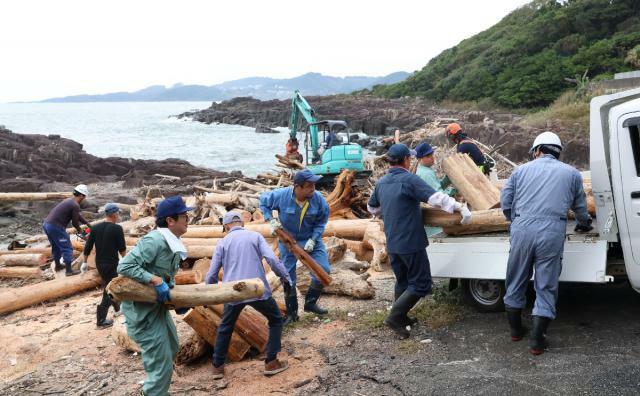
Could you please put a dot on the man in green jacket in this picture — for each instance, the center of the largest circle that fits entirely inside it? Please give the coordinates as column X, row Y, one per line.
column 154, row 261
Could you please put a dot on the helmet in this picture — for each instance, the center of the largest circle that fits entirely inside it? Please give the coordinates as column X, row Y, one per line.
column 82, row 189
column 453, row 129
column 546, row 138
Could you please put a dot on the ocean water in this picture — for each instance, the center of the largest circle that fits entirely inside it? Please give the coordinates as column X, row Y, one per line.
column 147, row 130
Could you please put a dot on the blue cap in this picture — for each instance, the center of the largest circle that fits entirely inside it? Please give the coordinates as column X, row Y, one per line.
column 231, row 217
column 111, row 208
column 424, row 149
column 305, row 175
column 172, row 206
column 400, row 151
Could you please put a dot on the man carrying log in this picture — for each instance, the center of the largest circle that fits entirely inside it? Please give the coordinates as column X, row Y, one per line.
column 303, row 212
column 536, row 199
column 55, row 227
column 397, row 197
column 154, row 261
column 108, row 238
column 240, row 255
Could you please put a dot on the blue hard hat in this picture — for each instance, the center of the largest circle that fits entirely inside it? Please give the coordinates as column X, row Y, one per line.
column 424, row 149
column 305, row 175
column 172, row 206
column 111, row 208
column 399, row 151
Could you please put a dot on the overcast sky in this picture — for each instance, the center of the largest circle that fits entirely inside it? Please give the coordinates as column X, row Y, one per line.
column 60, row 48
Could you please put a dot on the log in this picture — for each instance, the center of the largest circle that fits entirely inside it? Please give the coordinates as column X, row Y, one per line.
column 189, row 277
column 27, row 260
column 202, row 265
column 192, row 346
column 251, row 326
column 362, row 250
column 335, row 247
column 21, row 272
column 472, row 229
column 41, row 196
column 125, row 289
column 345, row 283
column 375, row 237
column 121, row 337
column 350, row 262
column 22, row 297
column 470, row 182
column 304, row 257
column 492, row 218
column 38, row 250
column 342, row 196
column 205, row 323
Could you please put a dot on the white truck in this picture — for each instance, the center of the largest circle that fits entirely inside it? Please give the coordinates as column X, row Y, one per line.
column 610, row 253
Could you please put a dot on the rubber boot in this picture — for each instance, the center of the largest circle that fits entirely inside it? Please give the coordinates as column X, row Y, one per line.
column 101, row 314
column 408, row 320
column 70, row 271
column 398, row 313
column 514, row 316
column 56, row 266
column 311, row 300
column 538, row 341
column 291, row 302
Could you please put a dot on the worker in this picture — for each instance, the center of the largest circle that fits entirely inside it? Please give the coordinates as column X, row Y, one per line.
column 396, row 197
column 425, row 171
column 303, row 212
column 55, row 227
column 456, row 134
column 331, row 140
column 240, row 255
column 292, row 150
column 536, row 199
column 154, row 261
column 108, row 238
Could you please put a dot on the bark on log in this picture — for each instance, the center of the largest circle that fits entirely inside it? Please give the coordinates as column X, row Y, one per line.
column 472, row 184
column 492, row 218
column 41, row 196
column 125, row 289
column 25, row 260
column 251, row 325
column 22, row 297
column 345, row 283
column 21, row 272
column 205, row 323
column 304, row 257
column 192, row 277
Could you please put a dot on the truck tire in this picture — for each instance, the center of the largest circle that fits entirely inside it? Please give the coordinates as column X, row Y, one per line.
column 485, row 295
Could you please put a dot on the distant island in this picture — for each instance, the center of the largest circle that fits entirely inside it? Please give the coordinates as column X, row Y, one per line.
column 263, row 88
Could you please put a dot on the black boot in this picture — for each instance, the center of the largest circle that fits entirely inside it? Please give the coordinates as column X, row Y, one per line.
column 398, row 313
column 70, row 271
column 538, row 341
column 407, row 320
column 514, row 316
column 311, row 300
column 56, row 266
column 291, row 303
column 101, row 314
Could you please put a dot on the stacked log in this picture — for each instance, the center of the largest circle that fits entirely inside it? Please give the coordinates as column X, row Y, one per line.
column 27, row 260
column 188, row 277
column 205, row 323
column 20, row 272
column 470, row 182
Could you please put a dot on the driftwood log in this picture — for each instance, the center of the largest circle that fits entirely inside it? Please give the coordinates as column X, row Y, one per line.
column 20, row 272
column 491, row 218
column 191, row 277
column 24, row 260
column 251, row 326
column 125, row 289
column 342, row 196
column 205, row 323
column 304, row 257
column 39, row 196
column 375, row 238
column 470, row 182
column 345, row 282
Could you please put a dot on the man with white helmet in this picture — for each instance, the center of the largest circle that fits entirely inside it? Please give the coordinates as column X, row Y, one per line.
column 536, row 199
column 56, row 223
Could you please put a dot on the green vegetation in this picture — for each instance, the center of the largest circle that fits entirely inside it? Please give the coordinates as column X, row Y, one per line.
column 523, row 61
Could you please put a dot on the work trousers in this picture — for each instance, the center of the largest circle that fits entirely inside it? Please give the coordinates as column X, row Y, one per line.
column 107, row 272
column 268, row 308
column 289, row 260
column 412, row 272
column 535, row 244
column 60, row 242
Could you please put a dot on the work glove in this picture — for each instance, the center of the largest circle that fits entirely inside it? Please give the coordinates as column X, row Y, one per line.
column 466, row 215
column 274, row 224
column 84, row 267
column 163, row 294
column 584, row 228
column 310, row 245
column 182, row 311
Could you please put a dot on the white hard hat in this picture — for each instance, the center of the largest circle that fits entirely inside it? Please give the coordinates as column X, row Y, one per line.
column 546, row 138
column 82, row 189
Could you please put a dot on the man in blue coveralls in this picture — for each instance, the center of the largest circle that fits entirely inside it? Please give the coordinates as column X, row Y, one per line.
column 303, row 212
column 536, row 199
column 397, row 198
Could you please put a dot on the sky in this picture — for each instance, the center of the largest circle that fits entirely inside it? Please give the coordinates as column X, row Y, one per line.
column 60, row 48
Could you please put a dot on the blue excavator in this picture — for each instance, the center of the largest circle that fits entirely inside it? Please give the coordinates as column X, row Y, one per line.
column 329, row 156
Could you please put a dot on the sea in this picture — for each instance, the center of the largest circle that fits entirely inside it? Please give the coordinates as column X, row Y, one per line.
column 149, row 130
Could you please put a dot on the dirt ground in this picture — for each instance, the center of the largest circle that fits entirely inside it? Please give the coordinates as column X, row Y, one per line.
column 56, row 349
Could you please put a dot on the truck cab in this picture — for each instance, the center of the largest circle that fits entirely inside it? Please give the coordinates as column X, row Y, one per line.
column 610, row 253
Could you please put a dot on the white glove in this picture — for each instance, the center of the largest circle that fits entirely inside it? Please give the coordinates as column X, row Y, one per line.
column 310, row 245
column 466, row 215
column 84, row 267
column 274, row 224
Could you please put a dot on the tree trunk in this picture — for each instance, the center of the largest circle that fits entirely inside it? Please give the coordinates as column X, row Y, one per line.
column 336, row 248
column 251, row 325
column 192, row 277
column 26, row 260
column 362, row 250
column 202, row 265
column 39, row 250
column 205, row 323
column 340, row 199
column 125, row 289
column 121, row 337
column 21, row 272
column 22, row 297
column 492, row 218
column 476, row 189
column 304, row 257
column 46, row 196
column 345, row 283
column 376, row 239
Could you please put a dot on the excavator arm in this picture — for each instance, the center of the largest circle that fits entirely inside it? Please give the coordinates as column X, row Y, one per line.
column 299, row 106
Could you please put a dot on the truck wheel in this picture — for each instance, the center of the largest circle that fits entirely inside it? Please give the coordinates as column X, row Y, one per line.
column 484, row 294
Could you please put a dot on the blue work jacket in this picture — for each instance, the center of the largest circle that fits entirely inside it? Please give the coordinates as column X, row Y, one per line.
column 283, row 200
column 398, row 194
